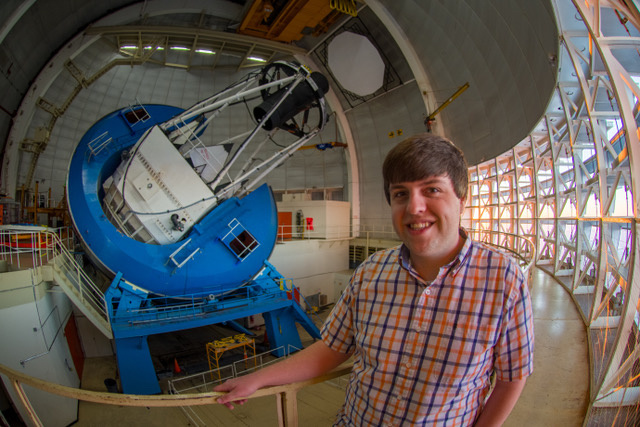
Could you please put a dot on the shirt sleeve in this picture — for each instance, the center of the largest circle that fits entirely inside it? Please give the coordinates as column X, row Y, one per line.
column 514, row 352
column 338, row 329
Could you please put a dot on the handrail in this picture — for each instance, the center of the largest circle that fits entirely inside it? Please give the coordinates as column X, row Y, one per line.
column 520, row 247
column 285, row 394
column 293, row 232
column 47, row 247
column 17, row 239
column 86, row 287
column 98, row 144
column 523, row 249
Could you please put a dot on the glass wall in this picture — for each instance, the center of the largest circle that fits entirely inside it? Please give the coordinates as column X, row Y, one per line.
column 571, row 187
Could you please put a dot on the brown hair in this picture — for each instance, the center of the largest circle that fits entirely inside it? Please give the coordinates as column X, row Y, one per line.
column 423, row 156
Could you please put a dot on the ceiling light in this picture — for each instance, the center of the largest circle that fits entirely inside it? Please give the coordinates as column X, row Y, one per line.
column 128, row 46
column 179, row 48
column 207, row 51
column 257, row 58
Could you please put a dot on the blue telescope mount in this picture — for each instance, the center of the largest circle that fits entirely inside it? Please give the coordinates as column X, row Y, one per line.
column 185, row 227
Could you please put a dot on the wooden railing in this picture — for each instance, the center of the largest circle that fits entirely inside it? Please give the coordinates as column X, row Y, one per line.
column 286, row 399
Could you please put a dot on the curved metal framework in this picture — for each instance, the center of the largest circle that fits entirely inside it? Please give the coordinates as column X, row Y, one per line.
column 152, row 44
column 572, row 187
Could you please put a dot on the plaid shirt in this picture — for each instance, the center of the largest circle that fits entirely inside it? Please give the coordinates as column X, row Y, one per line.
column 424, row 353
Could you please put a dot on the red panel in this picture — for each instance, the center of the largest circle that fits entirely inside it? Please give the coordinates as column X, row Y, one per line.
column 285, row 225
column 73, row 340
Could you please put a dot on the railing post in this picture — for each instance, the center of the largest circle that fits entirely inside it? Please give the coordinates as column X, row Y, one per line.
column 366, row 247
column 287, row 404
column 24, row 399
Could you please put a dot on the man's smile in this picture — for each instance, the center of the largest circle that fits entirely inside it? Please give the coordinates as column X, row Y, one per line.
column 419, row 225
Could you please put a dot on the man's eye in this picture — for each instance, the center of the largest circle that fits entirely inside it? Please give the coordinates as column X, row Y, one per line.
column 398, row 194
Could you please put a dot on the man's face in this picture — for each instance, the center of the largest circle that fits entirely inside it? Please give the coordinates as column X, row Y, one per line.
column 426, row 217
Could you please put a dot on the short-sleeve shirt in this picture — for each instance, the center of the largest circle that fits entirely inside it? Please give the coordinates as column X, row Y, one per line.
column 424, row 352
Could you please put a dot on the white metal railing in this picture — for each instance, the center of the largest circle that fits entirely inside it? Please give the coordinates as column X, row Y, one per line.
column 30, row 246
column 521, row 248
column 322, row 232
column 204, row 382
column 335, row 232
column 89, row 293
column 377, row 231
column 98, row 144
column 34, row 247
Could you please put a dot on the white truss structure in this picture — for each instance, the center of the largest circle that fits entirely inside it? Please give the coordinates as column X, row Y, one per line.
column 573, row 187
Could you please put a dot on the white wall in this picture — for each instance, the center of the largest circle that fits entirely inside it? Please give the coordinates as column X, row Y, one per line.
column 312, row 263
column 94, row 343
column 331, row 219
column 32, row 332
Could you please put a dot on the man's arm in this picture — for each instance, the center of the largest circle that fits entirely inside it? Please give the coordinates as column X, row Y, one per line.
column 499, row 405
column 309, row 363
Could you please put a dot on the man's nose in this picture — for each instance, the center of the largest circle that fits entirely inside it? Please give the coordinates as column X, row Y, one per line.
column 417, row 204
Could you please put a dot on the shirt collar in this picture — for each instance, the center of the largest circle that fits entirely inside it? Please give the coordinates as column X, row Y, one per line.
column 453, row 266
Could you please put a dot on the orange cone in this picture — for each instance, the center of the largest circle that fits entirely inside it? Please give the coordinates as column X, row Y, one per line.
column 176, row 367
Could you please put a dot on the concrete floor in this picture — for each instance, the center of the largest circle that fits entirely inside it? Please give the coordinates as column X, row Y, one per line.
column 556, row 394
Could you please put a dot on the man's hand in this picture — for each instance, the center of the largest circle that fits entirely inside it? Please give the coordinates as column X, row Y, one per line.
column 238, row 389
column 306, row 364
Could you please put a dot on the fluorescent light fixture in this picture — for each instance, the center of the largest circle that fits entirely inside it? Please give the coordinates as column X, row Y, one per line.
column 207, row 51
column 257, row 58
column 179, row 48
column 128, row 46
column 151, row 47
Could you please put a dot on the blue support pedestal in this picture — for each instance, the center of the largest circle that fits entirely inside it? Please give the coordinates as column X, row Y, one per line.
column 135, row 315
column 281, row 331
column 137, row 374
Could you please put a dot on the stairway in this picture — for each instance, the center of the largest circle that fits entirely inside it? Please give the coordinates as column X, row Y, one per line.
column 81, row 291
column 48, row 255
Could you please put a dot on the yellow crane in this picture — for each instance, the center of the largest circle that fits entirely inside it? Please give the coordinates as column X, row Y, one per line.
column 428, row 121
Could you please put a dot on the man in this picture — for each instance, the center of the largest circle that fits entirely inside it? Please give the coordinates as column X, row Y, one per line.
column 428, row 322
